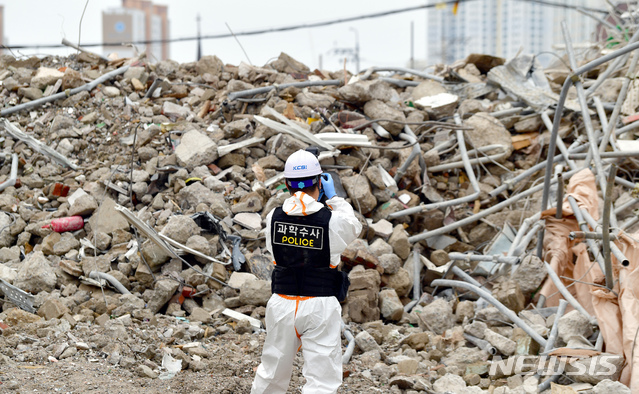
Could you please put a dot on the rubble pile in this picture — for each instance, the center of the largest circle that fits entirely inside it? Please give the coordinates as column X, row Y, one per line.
column 131, row 215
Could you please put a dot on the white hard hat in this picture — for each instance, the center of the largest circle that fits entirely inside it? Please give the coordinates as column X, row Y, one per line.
column 302, row 164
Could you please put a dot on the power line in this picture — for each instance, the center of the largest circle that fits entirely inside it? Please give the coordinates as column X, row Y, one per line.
column 251, row 32
column 561, row 5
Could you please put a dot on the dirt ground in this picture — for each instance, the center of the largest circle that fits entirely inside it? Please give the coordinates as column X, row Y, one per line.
column 230, row 371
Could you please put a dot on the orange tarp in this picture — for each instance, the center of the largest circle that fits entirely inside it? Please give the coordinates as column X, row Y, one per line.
column 617, row 312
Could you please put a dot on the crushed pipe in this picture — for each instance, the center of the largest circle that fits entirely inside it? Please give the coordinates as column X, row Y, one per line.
column 36, row 145
column 523, row 229
column 488, row 297
column 480, row 257
column 416, row 152
column 111, row 279
column 252, row 92
column 481, row 343
column 371, row 70
column 67, row 93
column 471, row 219
column 351, row 344
column 417, row 269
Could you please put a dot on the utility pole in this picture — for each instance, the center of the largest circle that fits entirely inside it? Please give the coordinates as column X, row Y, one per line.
column 199, row 38
column 412, row 44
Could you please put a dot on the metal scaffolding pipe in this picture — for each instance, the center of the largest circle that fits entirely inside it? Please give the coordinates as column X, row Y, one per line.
column 488, row 297
column 471, row 178
column 252, row 92
column 508, row 184
column 13, row 175
column 560, row 195
column 593, row 151
column 404, row 70
column 521, row 247
column 606, row 227
column 523, row 229
column 415, row 152
column 482, row 257
column 564, row 292
column 417, row 269
column 560, row 108
column 88, row 87
column 621, row 98
column 507, row 112
column 560, row 143
column 613, row 247
column 351, row 343
column 587, row 235
column 479, row 160
column 606, row 155
column 630, row 223
column 459, row 272
column 552, row 337
column 482, row 214
column 481, row 343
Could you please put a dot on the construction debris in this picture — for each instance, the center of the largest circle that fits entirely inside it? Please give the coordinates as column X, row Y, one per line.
column 132, row 210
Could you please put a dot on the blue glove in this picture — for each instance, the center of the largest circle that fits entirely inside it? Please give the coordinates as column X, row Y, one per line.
column 328, row 185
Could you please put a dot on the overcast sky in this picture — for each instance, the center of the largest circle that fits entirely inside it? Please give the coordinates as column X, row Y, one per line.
column 383, row 41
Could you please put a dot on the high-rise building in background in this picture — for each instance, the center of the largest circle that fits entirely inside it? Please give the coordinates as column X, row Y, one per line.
column 581, row 27
column 503, row 28
column 135, row 21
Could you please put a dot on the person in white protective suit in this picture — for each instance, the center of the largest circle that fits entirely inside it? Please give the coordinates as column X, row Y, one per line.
column 306, row 238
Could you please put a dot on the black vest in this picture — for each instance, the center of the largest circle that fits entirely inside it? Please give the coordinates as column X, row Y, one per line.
column 302, row 255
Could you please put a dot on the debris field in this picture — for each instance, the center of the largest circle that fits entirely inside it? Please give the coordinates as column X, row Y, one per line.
column 133, row 198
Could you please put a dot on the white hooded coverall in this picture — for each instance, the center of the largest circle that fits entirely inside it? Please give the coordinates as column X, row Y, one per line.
column 312, row 323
